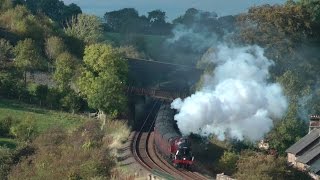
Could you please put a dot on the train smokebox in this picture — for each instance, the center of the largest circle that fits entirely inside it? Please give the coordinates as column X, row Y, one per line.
column 314, row 122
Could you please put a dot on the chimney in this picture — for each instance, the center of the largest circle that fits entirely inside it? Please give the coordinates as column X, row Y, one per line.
column 314, row 122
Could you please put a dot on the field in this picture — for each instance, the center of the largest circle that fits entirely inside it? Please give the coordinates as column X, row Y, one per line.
column 43, row 118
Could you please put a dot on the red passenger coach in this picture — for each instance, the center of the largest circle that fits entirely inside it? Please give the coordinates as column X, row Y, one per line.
column 169, row 141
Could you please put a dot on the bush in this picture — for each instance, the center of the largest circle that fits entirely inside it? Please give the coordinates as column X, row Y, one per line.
column 252, row 165
column 38, row 92
column 228, row 162
column 25, row 130
column 5, row 125
column 61, row 155
column 5, row 162
column 71, row 102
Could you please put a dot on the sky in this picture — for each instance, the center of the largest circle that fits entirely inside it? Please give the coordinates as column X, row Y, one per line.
column 173, row 8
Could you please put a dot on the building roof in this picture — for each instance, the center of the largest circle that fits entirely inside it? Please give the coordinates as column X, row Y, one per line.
column 304, row 142
column 315, row 167
column 309, row 155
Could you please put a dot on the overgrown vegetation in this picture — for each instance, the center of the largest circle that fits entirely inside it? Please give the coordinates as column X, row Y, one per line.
column 84, row 56
column 82, row 154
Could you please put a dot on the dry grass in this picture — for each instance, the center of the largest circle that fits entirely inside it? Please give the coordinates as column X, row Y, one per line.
column 119, row 131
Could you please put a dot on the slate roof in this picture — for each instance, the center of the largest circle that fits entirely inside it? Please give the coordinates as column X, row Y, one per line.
column 315, row 167
column 309, row 155
column 304, row 142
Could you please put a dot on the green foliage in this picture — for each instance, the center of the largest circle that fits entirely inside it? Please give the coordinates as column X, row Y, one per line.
column 292, row 84
column 131, row 52
column 61, row 154
column 5, row 52
column 313, row 7
column 71, row 101
column 287, row 131
column 87, row 28
column 25, row 130
column 43, row 118
column 28, row 56
column 127, row 20
column 252, row 166
column 55, row 9
column 281, row 29
column 290, row 22
column 66, row 66
column 54, row 46
column 20, row 21
column 53, row 98
column 157, row 23
column 9, row 85
column 6, row 160
column 228, row 162
column 103, row 78
column 5, row 5
column 38, row 92
column 5, row 125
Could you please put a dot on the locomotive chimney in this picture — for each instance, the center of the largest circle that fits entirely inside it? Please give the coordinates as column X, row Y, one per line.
column 314, row 122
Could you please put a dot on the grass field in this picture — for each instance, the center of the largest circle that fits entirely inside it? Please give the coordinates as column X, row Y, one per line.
column 43, row 118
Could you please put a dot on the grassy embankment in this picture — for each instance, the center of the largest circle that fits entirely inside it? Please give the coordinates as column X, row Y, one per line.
column 43, row 118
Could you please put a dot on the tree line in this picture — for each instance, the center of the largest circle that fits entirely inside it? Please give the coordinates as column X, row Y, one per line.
column 61, row 42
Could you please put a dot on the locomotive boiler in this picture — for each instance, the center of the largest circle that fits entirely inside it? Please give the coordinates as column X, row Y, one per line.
column 169, row 141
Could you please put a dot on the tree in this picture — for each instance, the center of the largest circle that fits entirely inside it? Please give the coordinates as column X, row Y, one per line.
column 228, row 162
column 25, row 130
column 5, row 125
column 287, row 131
column 103, row 79
column 19, row 20
column 313, row 7
column 131, row 52
column 28, row 57
column 54, row 46
column 72, row 10
column 157, row 16
column 66, row 64
column 5, row 52
column 5, row 5
column 252, row 166
column 71, row 101
column 281, row 29
column 6, row 161
column 38, row 91
column 87, row 28
column 55, row 9
column 118, row 20
column 157, row 22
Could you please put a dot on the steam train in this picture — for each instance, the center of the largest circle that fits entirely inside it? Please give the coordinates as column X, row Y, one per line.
column 168, row 139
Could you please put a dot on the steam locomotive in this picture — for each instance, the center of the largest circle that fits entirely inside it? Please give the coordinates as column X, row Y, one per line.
column 168, row 139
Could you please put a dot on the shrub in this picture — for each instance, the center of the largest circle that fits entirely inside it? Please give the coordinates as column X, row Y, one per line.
column 38, row 92
column 5, row 125
column 71, row 101
column 62, row 155
column 5, row 162
column 25, row 130
column 228, row 162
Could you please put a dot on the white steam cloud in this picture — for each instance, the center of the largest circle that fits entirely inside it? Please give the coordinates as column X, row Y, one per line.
column 236, row 101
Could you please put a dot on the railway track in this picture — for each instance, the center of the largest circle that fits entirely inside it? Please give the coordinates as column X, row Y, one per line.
column 145, row 153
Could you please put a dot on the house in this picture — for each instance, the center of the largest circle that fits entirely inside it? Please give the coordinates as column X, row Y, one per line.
column 305, row 154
